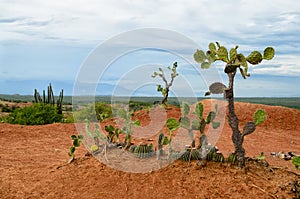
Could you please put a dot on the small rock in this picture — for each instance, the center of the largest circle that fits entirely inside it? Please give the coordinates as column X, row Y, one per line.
column 292, row 154
column 281, row 155
column 273, row 153
column 287, row 157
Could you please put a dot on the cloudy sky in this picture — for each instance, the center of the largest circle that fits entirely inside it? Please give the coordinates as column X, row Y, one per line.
column 51, row 41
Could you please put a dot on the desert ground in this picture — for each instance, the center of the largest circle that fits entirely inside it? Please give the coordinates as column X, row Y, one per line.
column 33, row 164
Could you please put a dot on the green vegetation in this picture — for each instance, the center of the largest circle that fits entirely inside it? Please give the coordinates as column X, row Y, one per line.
column 296, row 162
column 127, row 129
column 94, row 112
column 192, row 152
column 37, row 114
column 234, row 62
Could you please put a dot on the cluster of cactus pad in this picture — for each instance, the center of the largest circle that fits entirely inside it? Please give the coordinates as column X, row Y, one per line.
column 49, row 99
column 233, row 59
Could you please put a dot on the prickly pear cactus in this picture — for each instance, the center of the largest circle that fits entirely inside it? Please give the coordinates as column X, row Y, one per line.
column 233, row 59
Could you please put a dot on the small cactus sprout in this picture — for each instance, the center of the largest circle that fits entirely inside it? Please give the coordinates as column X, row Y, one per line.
column 260, row 116
column 172, row 124
column 76, row 143
column 165, row 90
column 234, row 62
column 261, row 156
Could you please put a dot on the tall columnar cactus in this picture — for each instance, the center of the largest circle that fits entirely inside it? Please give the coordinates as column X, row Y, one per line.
column 234, row 62
column 165, row 91
column 49, row 99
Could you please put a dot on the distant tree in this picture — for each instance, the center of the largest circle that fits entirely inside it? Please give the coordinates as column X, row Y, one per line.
column 234, row 62
column 165, row 90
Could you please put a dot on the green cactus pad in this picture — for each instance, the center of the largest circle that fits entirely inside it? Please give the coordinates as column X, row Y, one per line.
column 212, row 47
column 210, row 117
column 172, row 124
column 223, row 54
column 199, row 56
column 76, row 142
column 71, row 151
column 216, row 125
column 185, row 122
column 217, row 88
column 185, row 109
column 259, row 117
column 195, row 125
column 205, row 65
column 199, row 110
column 255, row 57
column 232, row 54
column 269, row 53
column 94, row 148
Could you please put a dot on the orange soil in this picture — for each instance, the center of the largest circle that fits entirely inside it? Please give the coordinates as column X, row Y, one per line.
column 33, row 164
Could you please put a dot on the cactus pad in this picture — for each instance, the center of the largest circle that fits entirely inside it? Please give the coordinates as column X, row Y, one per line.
column 249, row 128
column 199, row 56
column 223, row 54
column 260, row 116
column 217, row 88
column 255, row 57
column 269, row 53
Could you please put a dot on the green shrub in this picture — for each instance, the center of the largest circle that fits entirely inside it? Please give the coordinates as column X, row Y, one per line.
column 38, row 114
column 93, row 113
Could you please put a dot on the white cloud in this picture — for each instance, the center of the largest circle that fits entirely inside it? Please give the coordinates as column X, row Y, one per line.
column 251, row 24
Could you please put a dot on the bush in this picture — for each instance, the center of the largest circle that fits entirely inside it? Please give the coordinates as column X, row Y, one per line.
column 38, row 114
column 93, row 113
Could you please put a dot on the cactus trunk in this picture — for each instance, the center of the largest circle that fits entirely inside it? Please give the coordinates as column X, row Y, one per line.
column 233, row 121
column 165, row 99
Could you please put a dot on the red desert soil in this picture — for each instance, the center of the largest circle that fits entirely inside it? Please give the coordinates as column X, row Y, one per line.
column 33, row 164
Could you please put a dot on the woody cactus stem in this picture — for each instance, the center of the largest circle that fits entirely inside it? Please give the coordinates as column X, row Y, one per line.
column 233, row 121
column 234, row 62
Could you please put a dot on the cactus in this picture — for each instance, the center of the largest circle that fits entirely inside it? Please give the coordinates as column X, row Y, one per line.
column 127, row 129
column 142, row 150
column 190, row 154
column 165, row 91
column 232, row 158
column 113, row 134
column 254, row 58
column 76, row 143
column 235, row 62
column 172, row 124
column 50, row 99
column 160, row 144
